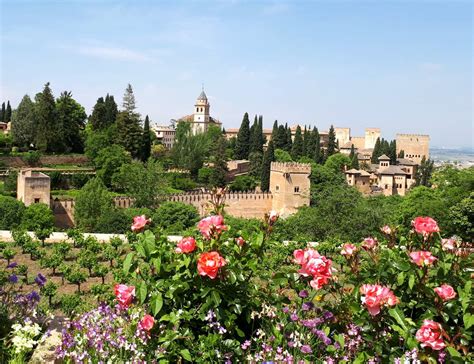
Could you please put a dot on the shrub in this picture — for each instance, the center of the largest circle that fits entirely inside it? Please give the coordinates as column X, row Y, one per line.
column 175, row 217
column 32, row 158
column 11, row 213
column 38, row 217
column 243, row 183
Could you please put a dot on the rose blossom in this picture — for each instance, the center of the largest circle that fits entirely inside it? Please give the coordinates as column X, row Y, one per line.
column 421, row 258
column 147, row 322
column 425, row 225
column 139, row 223
column 186, row 245
column 315, row 265
column 124, row 294
column 448, row 244
column 209, row 264
column 446, row 292
column 210, row 225
column 386, row 230
column 377, row 296
column 273, row 217
column 369, row 243
column 240, row 241
column 348, row 250
column 430, row 334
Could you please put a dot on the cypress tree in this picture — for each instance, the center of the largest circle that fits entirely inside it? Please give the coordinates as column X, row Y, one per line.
column 355, row 161
column 280, row 141
column 111, row 110
column 242, row 145
column 317, row 146
column 262, row 138
column 332, row 145
column 306, row 140
column 23, row 123
column 268, row 158
column 146, row 143
column 352, row 153
column 376, row 152
column 393, row 152
column 45, row 120
column 298, row 145
column 8, row 113
column 309, row 151
column 289, row 141
column 401, row 154
column 2, row 113
column 98, row 119
column 275, row 131
column 254, row 136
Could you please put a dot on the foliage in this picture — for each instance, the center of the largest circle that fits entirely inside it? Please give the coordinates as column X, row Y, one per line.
column 424, row 172
column 11, row 212
column 47, row 131
column 32, row 158
column 282, row 156
column 242, row 145
column 38, row 217
column 71, row 119
column 461, row 218
column 337, row 162
column 109, row 161
column 22, row 124
column 268, row 158
column 332, row 143
column 175, row 217
column 243, row 183
column 298, row 145
column 146, row 142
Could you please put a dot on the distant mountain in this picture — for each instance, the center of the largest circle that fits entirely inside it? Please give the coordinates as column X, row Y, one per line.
column 461, row 155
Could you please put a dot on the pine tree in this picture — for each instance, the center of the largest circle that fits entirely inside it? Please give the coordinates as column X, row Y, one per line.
column 8, row 113
column 128, row 102
column 289, row 141
column 376, row 152
column 98, row 119
column 298, row 144
column 317, row 146
column 110, row 110
column 45, row 120
column 129, row 130
column 332, row 145
column 23, row 123
column 242, row 145
column 146, row 143
column 268, row 158
column 2, row 113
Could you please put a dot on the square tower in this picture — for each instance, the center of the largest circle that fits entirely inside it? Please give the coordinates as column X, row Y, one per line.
column 33, row 187
column 371, row 136
column 343, row 135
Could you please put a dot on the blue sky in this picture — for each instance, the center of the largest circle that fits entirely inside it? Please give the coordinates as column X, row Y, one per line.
column 403, row 66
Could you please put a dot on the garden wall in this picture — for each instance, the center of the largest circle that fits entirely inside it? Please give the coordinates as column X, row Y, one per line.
column 17, row 161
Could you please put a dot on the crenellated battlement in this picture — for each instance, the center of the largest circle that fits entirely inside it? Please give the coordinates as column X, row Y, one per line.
column 413, row 135
column 291, row 167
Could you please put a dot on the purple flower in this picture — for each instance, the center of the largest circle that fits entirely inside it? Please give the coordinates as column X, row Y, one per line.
column 306, row 349
column 322, row 336
column 285, row 309
column 40, row 280
column 12, row 265
column 306, row 306
column 294, row 317
column 303, row 293
column 328, row 315
column 245, row 345
column 13, row 278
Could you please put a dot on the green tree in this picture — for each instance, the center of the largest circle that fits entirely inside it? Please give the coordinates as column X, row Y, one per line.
column 8, row 112
column 282, row 156
column 98, row 119
column 110, row 110
column 289, row 140
column 37, row 216
column 142, row 182
column 355, row 162
column 71, row 118
column 332, row 143
column 11, row 212
column 316, row 155
column 376, row 153
column 401, row 154
column 2, row 112
column 298, row 144
column 128, row 103
column 424, row 172
column 129, row 130
column 146, row 143
column 268, row 158
column 23, row 123
column 352, row 153
column 280, row 141
column 393, row 152
column 108, row 162
column 92, row 201
column 275, row 131
column 306, row 140
column 219, row 169
column 242, row 184
column 47, row 132
column 337, row 162
column 255, row 164
column 242, row 145
column 98, row 140
column 175, row 217
column 461, row 218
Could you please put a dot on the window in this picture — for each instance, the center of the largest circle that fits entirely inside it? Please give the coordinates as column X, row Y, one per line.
column 297, row 189
column 277, row 188
column 37, row 200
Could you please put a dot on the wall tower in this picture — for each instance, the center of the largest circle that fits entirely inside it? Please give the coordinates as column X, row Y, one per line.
column 371, row 135
column 201, row 114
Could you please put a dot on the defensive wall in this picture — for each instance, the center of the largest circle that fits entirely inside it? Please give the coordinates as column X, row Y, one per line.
column 19, row 162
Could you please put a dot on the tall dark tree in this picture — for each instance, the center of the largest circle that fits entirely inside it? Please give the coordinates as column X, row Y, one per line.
column 306, row 140
column 332, row 144
column 254, row 136
column 275, row 131
column 376, row 153
column 401, row 154
column 146, row 143
column 45, row 120
column 289, row 140
column 8, row 112
column 98, row 119
column 280, row 141
column 424, row 172
column 263, row 139
column 111, row 110
column 298, row 145
column 268, row 158
column 242, row 145
column 355, row 162
column 393, row 152
column 23, row 123
column 317, row 145
column 71, row 118
column 129, row 129
column 352, row 153
column 2, row 112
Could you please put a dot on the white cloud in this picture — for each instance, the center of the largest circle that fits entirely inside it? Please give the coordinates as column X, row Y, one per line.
column 114, row 53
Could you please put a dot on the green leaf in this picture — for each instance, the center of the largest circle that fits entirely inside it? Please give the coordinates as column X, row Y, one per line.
column 411, row 281
column 399, row 317
column 142, row 291
column 468, row 319
column 453, row 352
column 127, row 263
column 186, row 354
column 400, row 278
column 156, row 302
column 216, row 297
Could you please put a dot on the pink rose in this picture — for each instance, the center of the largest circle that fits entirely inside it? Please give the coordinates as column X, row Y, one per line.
column 446, row 292
column 421, row 258
column 386, row 230
column 431, row 334
column 124, row 294
column 147, row 322
column 209, row 264
column 139, row 223
column 369, row 243
column 212, row 226
column 318, row 282
column 186, row 245
column 313, row 265
column 240, row 241
column 348, row 250
column 448, row 244
column 376, row 296
column 273, row 217
column 425, row 225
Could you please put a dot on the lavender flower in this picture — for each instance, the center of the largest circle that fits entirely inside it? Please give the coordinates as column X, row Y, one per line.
column 306, row 306
column 245, row 345
column 40, row 280
column 12, row 265
column 303, row 294
column 13, row 278
column 306, row 349
column 294, row 316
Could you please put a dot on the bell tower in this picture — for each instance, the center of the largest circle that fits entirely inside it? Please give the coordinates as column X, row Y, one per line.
column 201, row 114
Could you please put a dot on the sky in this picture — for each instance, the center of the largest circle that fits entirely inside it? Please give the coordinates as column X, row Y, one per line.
column 403, row 66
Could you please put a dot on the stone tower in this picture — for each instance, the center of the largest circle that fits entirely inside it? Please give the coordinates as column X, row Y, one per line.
column 201, row 114
column 33, row 187
column 415, row 146
column 290, row 187
column 343, row 135
column 371, row 135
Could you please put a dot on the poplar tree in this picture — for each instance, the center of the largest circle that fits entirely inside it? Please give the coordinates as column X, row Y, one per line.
column 146, row 143
column 8, row 113
column 98, row 119
column 242, row 145
column 298, row 145
column 23, row 123
column 268, row 158
column 332, row 144
column 45, row 119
